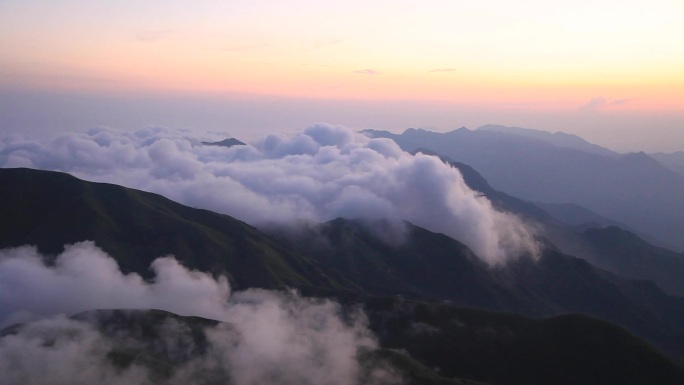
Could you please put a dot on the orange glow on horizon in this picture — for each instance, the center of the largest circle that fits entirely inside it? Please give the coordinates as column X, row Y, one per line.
column 186, row 66
column 305, row 81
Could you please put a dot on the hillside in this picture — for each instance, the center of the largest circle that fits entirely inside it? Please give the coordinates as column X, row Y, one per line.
column 425, row 344
column 625, row 253
column 432, row 267
column 51, row 209
column 341, row 258
column 568, row 227
column 509, row 349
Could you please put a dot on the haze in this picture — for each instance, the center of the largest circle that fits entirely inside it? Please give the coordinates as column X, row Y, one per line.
column 608, row 71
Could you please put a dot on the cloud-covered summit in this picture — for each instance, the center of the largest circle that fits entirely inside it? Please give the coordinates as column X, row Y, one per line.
column 317, row 175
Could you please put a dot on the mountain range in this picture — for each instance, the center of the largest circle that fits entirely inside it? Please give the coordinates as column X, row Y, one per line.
column 570, row 227
column 558, row 139
column 673, row 161
column 633, row 189
column 419, row 294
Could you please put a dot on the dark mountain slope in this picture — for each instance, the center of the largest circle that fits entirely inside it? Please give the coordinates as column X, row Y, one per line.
column 339, row 258
column 626, row 254
column 230, row 142
column 509, row 349
column 428, row 344
column 424, row 265
column 432, row 267
column 51, row 209
column 572, row 285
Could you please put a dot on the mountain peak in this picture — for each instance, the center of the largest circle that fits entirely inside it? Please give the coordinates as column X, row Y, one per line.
column 411, row 130
column 640, row 159
column 230, row 142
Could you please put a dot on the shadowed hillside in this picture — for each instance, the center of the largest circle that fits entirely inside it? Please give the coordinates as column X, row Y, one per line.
column 336, row 259
column 426, row 344
column 51, row 209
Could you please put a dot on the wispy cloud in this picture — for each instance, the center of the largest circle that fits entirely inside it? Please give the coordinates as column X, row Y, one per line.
column 368, row 72
column 601, row 102
column 594, row 103
column 269, row 337
column 620, row 102
column 442, row 70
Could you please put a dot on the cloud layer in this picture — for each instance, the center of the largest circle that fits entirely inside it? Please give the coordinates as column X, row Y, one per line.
column 84, row 278
column 269, row 338
column 320, row 174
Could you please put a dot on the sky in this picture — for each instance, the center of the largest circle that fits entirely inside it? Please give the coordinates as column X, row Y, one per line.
column 610, row 71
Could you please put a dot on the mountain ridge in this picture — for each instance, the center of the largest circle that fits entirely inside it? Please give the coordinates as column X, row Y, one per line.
column 632, row 189
column 554, row 285
column 136, row 227
column 229, row 142
column 560, row 139
column 427, row 344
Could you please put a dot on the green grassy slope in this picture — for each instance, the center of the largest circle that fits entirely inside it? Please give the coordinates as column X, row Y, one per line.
column 50, row 209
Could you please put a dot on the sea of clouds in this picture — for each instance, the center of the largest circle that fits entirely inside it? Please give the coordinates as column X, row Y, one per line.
column 320, row 174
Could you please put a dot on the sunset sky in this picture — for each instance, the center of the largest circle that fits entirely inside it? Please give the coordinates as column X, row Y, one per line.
column 610, row 71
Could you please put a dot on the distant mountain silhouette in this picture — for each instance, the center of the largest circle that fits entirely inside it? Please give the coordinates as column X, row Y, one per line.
column 225, row 143
column 500, row 200
column 560, row 139
column 673, row 161
column 626, row 254
column 580, row 219
column 633, row 189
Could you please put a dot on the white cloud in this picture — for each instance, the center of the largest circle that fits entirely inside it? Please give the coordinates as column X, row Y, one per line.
column 268, row 337
column 320, row 174
column 601, row 102
column 84, row 277
column 595, row 103
column 60, row 351
column 368, row 72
